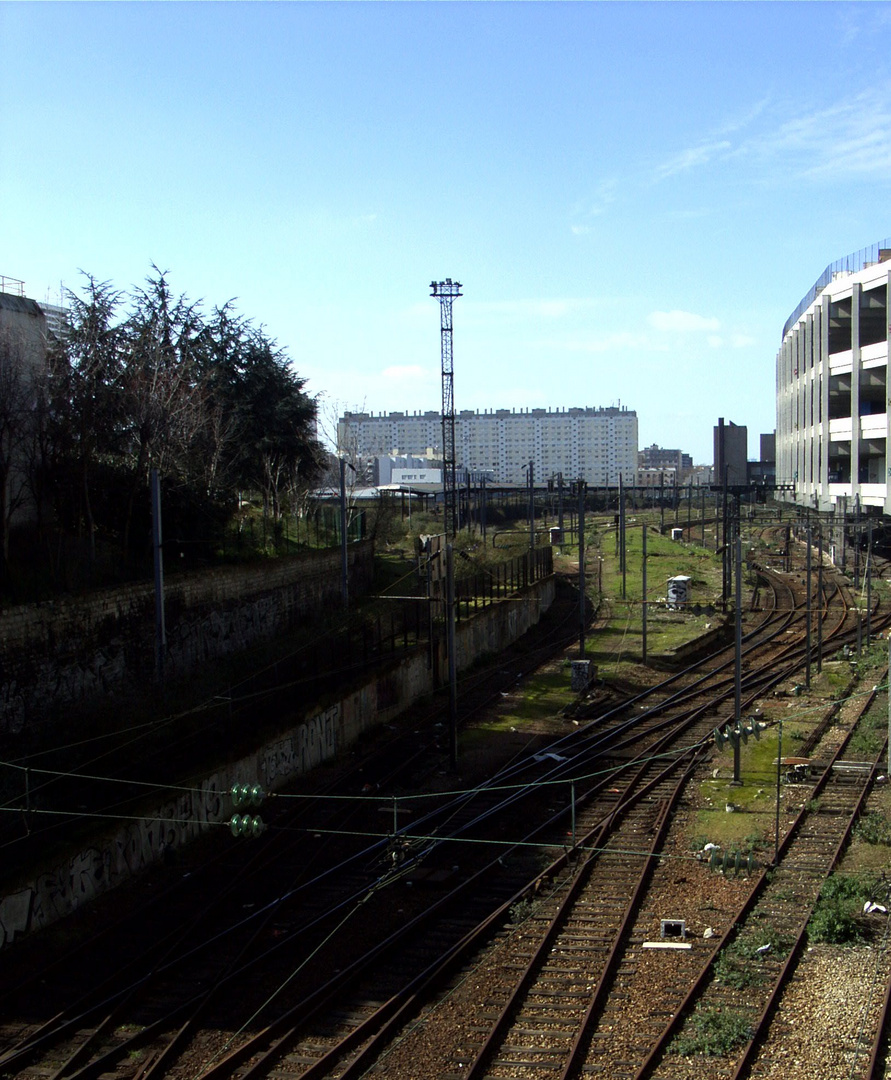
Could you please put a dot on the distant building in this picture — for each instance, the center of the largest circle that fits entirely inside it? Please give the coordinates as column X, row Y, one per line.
column 658, row 457
column 657, row 478
column 23, row 330
column 764, row 470
column 654, row 460
column 731, row 453
column 702, row 476
column 597, row 445
column 832, row 387
column 406, row 469
column 23, row 341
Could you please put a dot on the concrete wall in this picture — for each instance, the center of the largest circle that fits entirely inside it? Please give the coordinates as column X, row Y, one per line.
column 65, row 652
column 55, row 891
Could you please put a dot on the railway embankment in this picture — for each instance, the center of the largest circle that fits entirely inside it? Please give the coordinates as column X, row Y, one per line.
column 154, row 827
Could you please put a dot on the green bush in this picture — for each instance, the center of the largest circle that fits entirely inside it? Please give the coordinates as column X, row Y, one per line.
column 874, row 828
column 739, row 965
column 712, row 1033
column 836, row 918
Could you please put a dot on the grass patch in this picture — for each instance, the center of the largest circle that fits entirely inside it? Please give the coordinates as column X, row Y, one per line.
column 838, row 915
column 542, row 696
column 870, row 734
column 874, row 828
column 712, row 1033
column 867, row 854
column 620, row 644
column 741, row 964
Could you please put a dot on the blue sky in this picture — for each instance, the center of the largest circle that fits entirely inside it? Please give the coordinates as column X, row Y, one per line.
column 635, row 196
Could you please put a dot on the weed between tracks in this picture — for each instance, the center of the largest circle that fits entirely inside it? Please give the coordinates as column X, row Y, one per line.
column 713, row 1033
column 741, row 964
column 838, row 918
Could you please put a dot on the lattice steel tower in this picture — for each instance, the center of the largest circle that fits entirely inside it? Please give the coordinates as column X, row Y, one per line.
column 446, row 292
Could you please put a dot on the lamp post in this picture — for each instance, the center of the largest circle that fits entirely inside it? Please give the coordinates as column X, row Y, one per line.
column 776, row 847
column 531, row 468
column 582, row 486
column 737, row 670
column 643, row 604
column 344, row 572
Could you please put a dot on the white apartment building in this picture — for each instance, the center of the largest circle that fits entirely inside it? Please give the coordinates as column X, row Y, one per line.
column 593, row 444
column 832, row 387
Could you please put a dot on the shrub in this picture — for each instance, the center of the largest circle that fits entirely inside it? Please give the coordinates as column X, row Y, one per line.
column 739, row 965
column 712, row 1033
column 836, row 917
column 874, row 828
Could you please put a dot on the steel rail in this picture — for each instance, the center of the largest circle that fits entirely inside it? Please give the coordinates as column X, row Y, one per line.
column 660, row 1045
column 280, row 1049
column 748, row 1056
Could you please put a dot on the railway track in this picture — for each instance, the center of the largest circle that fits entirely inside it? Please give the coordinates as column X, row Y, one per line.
column 199, row 1019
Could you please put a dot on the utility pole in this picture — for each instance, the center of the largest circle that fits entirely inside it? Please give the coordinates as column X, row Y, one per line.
column 820, row 600
column 622, row 533
column 807, row 575
column 157, row 548
column 344, row 565
column 737, row 676
column 453, row 659
column 531, row 468
column 868, row 573
column 446, row 292
column 583, row 487
column 643, row 600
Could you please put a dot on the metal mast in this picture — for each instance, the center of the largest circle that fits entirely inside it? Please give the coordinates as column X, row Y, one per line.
column 445, row 292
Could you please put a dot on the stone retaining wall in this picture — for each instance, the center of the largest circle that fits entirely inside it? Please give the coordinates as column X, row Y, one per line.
column 186, row 813
column 65, row 652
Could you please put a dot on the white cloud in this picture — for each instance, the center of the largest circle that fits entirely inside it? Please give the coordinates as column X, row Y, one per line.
column 681, row 322
column 692, row 158
column 744, row 118
column 593, row 205
column 715, row 341
column 850, row 138
column 741, row 341
column 608, row 343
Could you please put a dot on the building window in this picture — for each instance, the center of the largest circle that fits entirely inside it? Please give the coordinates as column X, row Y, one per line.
column 839, row 396
column 872, row 390
column 873, row 309
column 840, row 326
column 871, row 468
column 839, row 463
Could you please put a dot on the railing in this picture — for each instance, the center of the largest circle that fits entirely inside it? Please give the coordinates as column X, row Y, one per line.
column 392, row 628
column 12, row 286
column 850, row 264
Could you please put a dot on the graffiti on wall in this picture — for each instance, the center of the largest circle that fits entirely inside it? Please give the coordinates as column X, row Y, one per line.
column 307, row 746
column 97, row 868
column 140, row 844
